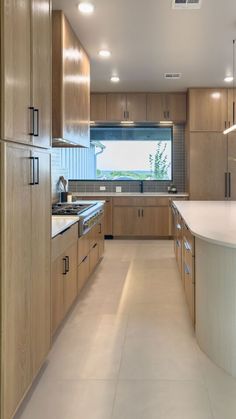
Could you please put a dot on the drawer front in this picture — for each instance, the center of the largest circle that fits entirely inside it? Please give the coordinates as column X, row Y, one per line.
column 83, row 247
column 83, row 272
column 93, row 257
column 189, row 286
column 141, row 201
column 65, row 239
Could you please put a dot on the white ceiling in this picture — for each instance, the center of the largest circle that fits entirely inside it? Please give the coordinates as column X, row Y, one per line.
column 148, row 38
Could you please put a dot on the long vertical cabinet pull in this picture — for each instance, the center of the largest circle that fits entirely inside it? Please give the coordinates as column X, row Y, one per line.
column 37, row 170
column 31, row 131
column 32, row 171
column 64, row 266
column 226, row 185
column 36, row 114
column 229, row 185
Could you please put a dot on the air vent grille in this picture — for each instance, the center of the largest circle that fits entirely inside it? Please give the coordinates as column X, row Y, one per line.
column 186, row 4
column 172, row 76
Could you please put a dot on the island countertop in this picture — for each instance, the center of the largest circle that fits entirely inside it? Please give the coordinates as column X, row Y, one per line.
column 61, row 223
column 213, row 221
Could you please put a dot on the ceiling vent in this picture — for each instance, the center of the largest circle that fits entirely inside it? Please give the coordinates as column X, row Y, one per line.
column 172, row 76
column 186, row 4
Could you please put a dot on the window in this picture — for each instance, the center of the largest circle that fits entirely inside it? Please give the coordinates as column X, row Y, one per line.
column 132, row 153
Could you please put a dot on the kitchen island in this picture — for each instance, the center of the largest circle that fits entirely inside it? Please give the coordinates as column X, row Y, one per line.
column 213, row 225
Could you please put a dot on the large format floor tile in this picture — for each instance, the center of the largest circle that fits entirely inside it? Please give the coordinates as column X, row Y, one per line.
column 128, row 349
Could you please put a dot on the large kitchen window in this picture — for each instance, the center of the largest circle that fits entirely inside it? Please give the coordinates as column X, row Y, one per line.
column 132, row 153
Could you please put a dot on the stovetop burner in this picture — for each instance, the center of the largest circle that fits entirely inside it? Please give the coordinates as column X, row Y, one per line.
column 69, row 209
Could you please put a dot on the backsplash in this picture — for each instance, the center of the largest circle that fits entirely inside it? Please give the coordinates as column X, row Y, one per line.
column 62, row 157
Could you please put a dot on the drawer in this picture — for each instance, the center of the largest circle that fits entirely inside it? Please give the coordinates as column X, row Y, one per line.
column 83, row 247
column 141, row 201
column 83, row 272
column 188, row 240
column 63, row 240
column 189, row 262
column 189, row 287
column 93, row 257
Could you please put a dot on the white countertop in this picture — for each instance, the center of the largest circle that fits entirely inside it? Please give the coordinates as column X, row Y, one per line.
column 130, row 194
column 213, row 221
column 60, row 223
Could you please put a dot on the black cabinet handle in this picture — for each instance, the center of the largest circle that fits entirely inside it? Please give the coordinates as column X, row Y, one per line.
column 229, row 183
column 226, row 185
column 64, row 266
column 36, row 112
column 37, row 171
column 67, row 264
column 84, row 259
column 142, row 212
column 32, row 172
column 31, row 109
column 95, row 245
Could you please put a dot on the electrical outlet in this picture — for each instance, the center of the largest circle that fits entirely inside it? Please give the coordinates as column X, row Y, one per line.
column 118, row 189
column 102, row 188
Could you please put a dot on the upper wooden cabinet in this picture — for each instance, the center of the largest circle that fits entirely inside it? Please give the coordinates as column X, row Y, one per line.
column 70, row 86
column 208, row 109
column 136, row 107
column 116, row 107
column 26, row 72
column 98, row 107
column 166, row 107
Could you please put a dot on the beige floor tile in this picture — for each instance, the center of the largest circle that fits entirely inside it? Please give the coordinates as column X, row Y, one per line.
column 70, row 400
column 161, row 400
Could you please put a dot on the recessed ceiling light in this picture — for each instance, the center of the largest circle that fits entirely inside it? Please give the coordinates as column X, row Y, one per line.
column 104, row 53
column 115, row 79
column 86, row 7
column 228, row 79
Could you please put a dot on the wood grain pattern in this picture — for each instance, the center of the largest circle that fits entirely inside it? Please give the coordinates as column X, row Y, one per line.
column 70, row 279
column 16, row 244
column 57, row 300
column 15, row 71
column 41, row 69
column 83, row 272
column 136, row 105
column 98, row 107
column 116, row 107
column 166, row 106
column 207, row 111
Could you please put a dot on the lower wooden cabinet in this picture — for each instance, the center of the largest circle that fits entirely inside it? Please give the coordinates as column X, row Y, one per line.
column 141, row 221
column 25, row 270
column 64, row 274
column 83, row 272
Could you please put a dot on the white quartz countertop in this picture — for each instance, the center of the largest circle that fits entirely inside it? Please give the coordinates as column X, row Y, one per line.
column 213, row 221
column 61, row 223
column 130, row 194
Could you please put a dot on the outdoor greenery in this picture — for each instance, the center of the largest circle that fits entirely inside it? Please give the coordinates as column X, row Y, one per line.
column 158, row 163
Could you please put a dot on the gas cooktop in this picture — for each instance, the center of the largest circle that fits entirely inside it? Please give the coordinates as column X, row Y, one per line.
column 70, row 209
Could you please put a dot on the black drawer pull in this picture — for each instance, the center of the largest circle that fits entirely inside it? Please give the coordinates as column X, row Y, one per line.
column 95, row 245
column 64, row 266
column 84, row 259
column 67, row 264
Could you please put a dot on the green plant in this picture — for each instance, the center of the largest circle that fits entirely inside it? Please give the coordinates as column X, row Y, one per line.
column 158, row 162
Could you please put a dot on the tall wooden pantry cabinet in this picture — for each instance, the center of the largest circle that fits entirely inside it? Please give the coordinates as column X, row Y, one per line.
column 25, row 196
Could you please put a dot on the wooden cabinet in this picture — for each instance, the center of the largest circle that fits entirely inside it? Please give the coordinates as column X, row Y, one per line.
column 116, row 107
column 70, row 86
column 166, row 107
column 208, row 109
column 98, row 107
column 64, row 274
column 25, row 271
column 26, row 74
column 83, row 272
column 136, row 107
column 207, row 166
column 141, row 217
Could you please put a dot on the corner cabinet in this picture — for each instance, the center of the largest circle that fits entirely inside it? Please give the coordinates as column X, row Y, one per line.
column 26, row 72
column 70, row 86
column 25, row 270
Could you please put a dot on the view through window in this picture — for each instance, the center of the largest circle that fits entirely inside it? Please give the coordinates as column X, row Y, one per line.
column 132, row 153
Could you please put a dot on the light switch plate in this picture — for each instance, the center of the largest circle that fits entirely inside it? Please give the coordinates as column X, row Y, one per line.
column 118, row 189
column 102, row 188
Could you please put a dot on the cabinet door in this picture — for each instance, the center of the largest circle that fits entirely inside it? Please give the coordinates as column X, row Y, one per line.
column 57, row 300
column 93, row 257
column 16, row 71
column 208, row 109
column 208, row 165
column 70, row 279
column 83, row 272
column 98, row 107
column 127, row 221
column 41, row 71
column 176, row 107
column 137, row 107
column 41, row 261
column 83, row 99
column 232, row 165
column 101, row 242
column 155, row 221
column 156, row 107
column 16, row 275
column 116, row 107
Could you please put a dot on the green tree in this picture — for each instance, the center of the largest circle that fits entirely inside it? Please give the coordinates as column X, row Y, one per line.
column 158, row 162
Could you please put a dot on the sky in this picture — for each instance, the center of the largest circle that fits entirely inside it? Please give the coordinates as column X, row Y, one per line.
column 128, row 155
